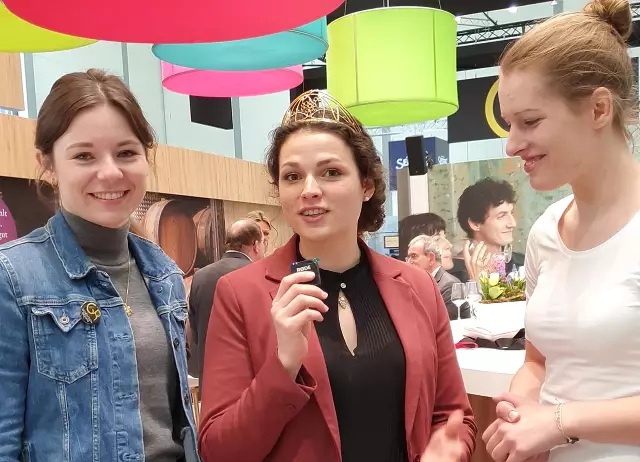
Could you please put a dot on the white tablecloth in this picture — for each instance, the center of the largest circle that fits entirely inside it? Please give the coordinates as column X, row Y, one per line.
column 488, row 372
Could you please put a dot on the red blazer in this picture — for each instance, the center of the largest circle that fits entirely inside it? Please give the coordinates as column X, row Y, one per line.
column 253, row 412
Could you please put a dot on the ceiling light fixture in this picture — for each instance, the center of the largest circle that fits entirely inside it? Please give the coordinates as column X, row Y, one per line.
column 513, row 9
column 411, row 86
column 170, row 22
column 229, row 84
column 284, row 49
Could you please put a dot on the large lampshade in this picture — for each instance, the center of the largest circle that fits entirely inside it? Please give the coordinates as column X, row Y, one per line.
column 220, row 84
column 19, row 36
column 284, row 49
column 164, row 21
column 394, row 66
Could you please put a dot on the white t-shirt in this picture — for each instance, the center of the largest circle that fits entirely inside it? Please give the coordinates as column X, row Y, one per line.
column 583, row 315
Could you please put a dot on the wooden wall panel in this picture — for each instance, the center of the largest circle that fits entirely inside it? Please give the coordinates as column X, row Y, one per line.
column 11, row 95
column 219, row 227
column 234, row 211
column 197, row 174
column 484, row 410
column 178, row 171
column 17, row 153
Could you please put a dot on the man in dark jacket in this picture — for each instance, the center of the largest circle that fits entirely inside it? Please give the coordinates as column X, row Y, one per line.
column 244, row 244
column 433, row 255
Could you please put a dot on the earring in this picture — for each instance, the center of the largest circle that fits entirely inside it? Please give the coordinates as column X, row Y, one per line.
column 366, row 198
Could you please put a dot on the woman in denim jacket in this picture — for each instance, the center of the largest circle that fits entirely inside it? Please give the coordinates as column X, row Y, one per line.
column 92, row 350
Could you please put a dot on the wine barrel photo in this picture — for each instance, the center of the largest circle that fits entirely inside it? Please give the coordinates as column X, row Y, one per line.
column 172, row 229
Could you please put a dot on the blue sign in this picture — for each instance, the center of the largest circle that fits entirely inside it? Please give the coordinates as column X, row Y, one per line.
column 435, row 148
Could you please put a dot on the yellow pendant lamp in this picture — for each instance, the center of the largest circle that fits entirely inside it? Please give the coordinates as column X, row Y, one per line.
column 19, row 36
column 394, row 65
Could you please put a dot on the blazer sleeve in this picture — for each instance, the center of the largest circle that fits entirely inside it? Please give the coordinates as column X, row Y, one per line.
column 14, row 370
column 244, row 411
column 450, row 392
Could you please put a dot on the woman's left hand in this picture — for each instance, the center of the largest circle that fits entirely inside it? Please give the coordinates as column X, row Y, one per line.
column 532, row 433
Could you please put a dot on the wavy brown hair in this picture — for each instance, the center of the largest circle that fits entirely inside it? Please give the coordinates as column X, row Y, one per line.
column 365, row 156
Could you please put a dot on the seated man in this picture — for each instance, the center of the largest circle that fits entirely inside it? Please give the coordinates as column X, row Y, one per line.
column 433, row 254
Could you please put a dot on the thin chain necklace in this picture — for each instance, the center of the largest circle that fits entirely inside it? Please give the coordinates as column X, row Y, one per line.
column 127, row 308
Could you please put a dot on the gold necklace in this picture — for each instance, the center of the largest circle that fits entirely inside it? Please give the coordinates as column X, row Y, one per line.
column 127, row 308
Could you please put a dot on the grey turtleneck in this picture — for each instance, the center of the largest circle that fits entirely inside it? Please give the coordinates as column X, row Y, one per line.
column 160, row 403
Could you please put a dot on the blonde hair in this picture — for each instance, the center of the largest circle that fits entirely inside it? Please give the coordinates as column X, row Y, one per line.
column 259, row 215
column 580, row 52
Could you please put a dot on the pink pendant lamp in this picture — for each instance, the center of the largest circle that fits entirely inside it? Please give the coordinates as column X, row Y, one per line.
column 165, row 21
column 195, row 82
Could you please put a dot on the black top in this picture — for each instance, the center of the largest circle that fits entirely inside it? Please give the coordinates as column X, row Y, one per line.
column 368, row 387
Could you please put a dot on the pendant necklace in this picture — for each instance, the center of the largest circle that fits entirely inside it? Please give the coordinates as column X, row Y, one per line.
column 127, row 308
column 342, row 300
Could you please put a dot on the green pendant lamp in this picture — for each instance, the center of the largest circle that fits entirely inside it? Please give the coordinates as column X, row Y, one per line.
column 394, row 66
column 19, row 36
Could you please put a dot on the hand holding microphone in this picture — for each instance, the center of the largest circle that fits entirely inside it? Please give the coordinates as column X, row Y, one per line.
column 296, row 305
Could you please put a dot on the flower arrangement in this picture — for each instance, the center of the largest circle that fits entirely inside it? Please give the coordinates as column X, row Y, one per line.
column 500, row 288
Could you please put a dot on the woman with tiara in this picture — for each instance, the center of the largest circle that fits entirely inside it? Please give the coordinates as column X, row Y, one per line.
column 352, row 362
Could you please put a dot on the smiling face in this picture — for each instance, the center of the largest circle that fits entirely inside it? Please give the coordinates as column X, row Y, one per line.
column 100, row 167
column 555, row 141
column 497, row 228
column 320, row 187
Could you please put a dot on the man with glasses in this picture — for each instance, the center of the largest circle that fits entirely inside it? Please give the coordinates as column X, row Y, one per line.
column 433, row 255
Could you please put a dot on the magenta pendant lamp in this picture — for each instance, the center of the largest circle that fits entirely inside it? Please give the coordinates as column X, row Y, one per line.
column 225, row 84
column 167, row 21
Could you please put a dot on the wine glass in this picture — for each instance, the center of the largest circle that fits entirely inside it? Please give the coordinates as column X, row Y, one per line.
column 508, row 252
column 458, row 295
column 474, row 294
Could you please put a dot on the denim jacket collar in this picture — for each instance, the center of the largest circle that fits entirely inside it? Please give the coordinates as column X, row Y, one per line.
column 152, row 261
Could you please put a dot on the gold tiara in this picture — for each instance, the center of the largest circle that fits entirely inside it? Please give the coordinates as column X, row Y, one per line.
column 318, row 106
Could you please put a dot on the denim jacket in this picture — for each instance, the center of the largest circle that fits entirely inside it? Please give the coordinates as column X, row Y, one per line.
column 69, row 388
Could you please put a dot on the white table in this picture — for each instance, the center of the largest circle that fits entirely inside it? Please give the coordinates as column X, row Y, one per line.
column 488, row 372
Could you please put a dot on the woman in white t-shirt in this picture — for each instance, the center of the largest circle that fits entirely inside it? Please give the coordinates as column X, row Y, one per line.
column 567, row 90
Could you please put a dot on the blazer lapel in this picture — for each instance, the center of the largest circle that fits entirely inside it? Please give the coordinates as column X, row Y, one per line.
column 278, row 268
column 439, row 275
column 397, row 296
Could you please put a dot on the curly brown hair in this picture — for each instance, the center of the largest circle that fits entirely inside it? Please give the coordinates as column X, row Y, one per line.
column 364, row 153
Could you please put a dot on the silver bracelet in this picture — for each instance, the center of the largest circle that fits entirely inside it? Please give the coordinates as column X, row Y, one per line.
column 561, row 427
